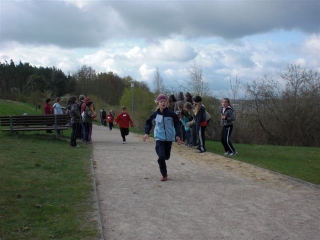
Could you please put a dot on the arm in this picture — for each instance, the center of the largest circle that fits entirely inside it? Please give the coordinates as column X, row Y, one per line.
column 148, row 126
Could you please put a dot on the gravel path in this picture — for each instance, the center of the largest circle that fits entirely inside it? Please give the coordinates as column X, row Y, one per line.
column 206, row 196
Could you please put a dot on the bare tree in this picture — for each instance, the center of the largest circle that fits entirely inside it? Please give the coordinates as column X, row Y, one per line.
column 196, row 82
column 288, row 114
column 158, row 82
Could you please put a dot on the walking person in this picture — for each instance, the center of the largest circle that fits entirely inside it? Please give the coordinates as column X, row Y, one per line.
column 227, row 118
column 124, row 120
column 87, row 118
column 103, row 116
column 75, row 118
column 166, row 130
column 110, row 119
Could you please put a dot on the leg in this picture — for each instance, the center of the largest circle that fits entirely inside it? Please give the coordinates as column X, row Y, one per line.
column 123, row 134
column 201, row 140
column 89, row 131
column 229, row 144
column 160, row 150
column 73, row 139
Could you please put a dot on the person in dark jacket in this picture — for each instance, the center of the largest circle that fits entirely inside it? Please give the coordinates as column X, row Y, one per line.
column 227, row 117
column 75, row 118
column 166, row 130
column 48, row 109
column 200, row 122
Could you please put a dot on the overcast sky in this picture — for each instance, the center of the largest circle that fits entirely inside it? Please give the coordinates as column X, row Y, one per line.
column 243, row 38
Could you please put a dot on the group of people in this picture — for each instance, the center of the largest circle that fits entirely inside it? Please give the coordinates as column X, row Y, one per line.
column 185, row 118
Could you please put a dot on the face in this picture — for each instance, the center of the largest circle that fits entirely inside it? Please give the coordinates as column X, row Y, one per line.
column 225, row 103
column 163, row 104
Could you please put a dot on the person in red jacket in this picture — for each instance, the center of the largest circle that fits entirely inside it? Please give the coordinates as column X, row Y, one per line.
column 48, row 109
column 124, row 120
column 110, row 119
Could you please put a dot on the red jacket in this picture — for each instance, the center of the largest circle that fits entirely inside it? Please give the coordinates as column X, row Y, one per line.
column 109, row 117
column 124, row 119
column 48, row 109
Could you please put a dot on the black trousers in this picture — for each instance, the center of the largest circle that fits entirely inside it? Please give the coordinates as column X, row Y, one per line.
column 73, row 138
column 201, row 138
column 124, row 132
column 163, row 150
column 225, row 138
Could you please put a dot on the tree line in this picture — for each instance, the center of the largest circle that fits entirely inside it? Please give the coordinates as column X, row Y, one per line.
column 279, row 110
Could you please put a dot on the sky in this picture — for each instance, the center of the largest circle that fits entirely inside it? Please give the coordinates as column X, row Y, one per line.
column 228, row 39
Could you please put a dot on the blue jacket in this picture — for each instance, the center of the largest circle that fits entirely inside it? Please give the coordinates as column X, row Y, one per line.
column 167, row 125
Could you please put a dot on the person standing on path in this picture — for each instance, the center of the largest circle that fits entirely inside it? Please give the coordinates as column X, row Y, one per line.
column 75, row 118
column 227, row 117
column 124, row 120
column 166, row 130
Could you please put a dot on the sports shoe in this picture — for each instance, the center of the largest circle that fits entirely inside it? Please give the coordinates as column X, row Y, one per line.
column 226, row 153
column 233, row 153
column 164, row 178
column 200, row 151
column 124, row 142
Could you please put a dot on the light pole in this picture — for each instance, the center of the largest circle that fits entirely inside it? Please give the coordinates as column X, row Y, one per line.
column 132, row 87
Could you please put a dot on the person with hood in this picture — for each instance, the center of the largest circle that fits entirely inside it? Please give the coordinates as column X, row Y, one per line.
column 227, row 117
column 166, row 130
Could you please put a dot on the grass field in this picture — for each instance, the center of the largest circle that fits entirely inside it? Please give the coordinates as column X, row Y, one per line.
column 46, row 189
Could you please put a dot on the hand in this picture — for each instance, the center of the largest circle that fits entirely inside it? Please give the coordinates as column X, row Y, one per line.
column 188, row 124
column 145, row 137
column 223, row 117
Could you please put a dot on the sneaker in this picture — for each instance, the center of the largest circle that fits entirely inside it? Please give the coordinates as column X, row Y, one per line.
column 233, row 153
column 164, row 178
column 124, row 142
column 88, row 142
column 226, row 153
column 199, row 151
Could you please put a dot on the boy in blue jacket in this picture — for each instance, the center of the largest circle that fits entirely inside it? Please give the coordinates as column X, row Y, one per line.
column 166, row 130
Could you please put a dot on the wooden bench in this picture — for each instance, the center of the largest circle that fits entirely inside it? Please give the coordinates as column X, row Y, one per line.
column 35, row 122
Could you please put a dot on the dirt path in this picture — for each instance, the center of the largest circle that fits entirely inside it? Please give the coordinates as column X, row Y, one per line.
column 206, row 197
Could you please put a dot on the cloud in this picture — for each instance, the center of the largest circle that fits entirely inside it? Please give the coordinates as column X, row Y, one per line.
column 74, row 24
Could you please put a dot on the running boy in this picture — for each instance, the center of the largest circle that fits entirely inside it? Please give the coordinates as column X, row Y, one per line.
column 166, row 130
column 124, row 119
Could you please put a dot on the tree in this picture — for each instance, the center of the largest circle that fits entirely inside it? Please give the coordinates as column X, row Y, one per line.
column 158, row 82
column 196, row 82
column 288, row 113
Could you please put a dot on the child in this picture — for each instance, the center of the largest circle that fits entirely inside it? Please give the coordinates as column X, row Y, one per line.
column 200, row 122
column 124, row 119
column 166, row 130
column 75, row 118
column 189, row 129
column 227, row 117
column 110, row 119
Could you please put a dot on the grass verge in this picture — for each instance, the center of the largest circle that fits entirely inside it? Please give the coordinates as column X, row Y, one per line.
column 298, row 162
column 46, row 189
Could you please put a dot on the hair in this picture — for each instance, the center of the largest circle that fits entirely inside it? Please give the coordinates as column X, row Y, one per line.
column 123, row 108
column 172, row 99
column 72, row 99
column 228, row 101
column 58, row 99
column 180, row 105
column 81, row 97
column 48, row 100
column 188, row 105
column 188, row 97
column 89, row 103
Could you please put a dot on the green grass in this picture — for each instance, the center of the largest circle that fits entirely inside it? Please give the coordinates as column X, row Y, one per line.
column 8, row 108
column 46, row 189
column 298, row 162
